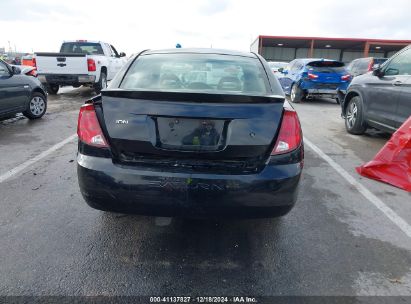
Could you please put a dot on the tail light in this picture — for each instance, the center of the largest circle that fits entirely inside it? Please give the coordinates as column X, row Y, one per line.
column 88, row 127
column 91, row 65
column 33, row 73
column 34, row 62
column 312, row 76
column 346, row 77
column 370, row 65
column 290, row 135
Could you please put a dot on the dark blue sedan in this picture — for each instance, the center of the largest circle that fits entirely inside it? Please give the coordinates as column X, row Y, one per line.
column 191, row 132
column 313, row 78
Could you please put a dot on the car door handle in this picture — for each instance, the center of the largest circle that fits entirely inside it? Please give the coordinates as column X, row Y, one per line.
column 397, row 83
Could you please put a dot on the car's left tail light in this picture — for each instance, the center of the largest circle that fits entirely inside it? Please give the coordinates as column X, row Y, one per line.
column 290, row 136
column 88, row 127
column 312, row 76
column 370, row 65
column 33, row 73
column 91, row 65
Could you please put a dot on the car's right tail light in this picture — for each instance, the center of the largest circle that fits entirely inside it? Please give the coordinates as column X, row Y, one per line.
column 91, row 65
column 88, row 127
column 34, row 62
column 32, row 72
column 370, row 66
column 290, row 135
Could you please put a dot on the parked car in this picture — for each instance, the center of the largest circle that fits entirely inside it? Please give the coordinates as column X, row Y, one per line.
column 358, row 67
column 170, row 145
column 364, row 65
column 16, row 61
column 314, row 78
column 381, row 99
column 80, row 62
column 27, row 70
column 20, row 93
column 274, row 65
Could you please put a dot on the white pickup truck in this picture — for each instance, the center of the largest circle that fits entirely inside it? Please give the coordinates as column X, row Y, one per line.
column 80, row 62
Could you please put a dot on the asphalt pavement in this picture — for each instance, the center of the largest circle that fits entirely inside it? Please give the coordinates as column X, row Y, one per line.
column 336, row 241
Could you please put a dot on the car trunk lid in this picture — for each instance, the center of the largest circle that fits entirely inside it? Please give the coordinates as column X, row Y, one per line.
column 187, row 128
column 61, row 63
column 325, row 71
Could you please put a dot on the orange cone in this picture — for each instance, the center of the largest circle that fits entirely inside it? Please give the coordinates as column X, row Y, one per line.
column 392, row 164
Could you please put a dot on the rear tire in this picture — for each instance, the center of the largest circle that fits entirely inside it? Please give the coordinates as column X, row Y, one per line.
column 37, row 106
column 296, row 94
column 354, row 117
column 53, row 89
column 101, row 84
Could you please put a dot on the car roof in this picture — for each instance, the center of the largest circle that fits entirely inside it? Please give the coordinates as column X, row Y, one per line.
column 307, row 60
column 85, row 41
column 200, row 51
column 368, row 58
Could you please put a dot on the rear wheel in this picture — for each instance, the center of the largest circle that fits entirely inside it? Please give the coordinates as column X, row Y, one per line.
column 37, row 106
column 354, row 121
column 101, row 84
column 296, row 94
column 52, row 89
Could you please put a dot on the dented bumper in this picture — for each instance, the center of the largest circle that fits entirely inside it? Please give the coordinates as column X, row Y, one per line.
column 128, row 189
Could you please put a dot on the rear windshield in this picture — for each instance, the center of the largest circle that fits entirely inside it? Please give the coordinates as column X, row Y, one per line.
column 197, row 73
column 363, row 65
column 326, row 66
column 88, row 48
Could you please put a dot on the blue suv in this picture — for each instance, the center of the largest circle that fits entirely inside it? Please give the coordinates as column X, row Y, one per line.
column 311, row 78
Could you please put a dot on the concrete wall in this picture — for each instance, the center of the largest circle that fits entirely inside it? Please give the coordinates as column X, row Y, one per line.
column 289, row 54
column 278, row 53
column 327, row 53
column 391, row 53
column 350, row 56
column 303, row 53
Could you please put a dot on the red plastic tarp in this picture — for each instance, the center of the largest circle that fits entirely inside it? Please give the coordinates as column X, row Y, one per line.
column 392, row 164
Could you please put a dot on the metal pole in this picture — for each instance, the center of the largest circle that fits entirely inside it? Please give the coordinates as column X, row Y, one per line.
column 312, row 49
column 367, row 49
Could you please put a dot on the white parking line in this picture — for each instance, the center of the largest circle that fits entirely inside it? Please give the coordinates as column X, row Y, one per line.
column 388, row 212
column 31, row 161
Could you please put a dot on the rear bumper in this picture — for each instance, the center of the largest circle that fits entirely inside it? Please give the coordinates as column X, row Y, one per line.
column 323, row 92
column 66, row 79
column 325, row 89
column 105, row 186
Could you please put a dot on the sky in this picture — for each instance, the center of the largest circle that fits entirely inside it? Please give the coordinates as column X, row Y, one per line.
column 132, row 26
